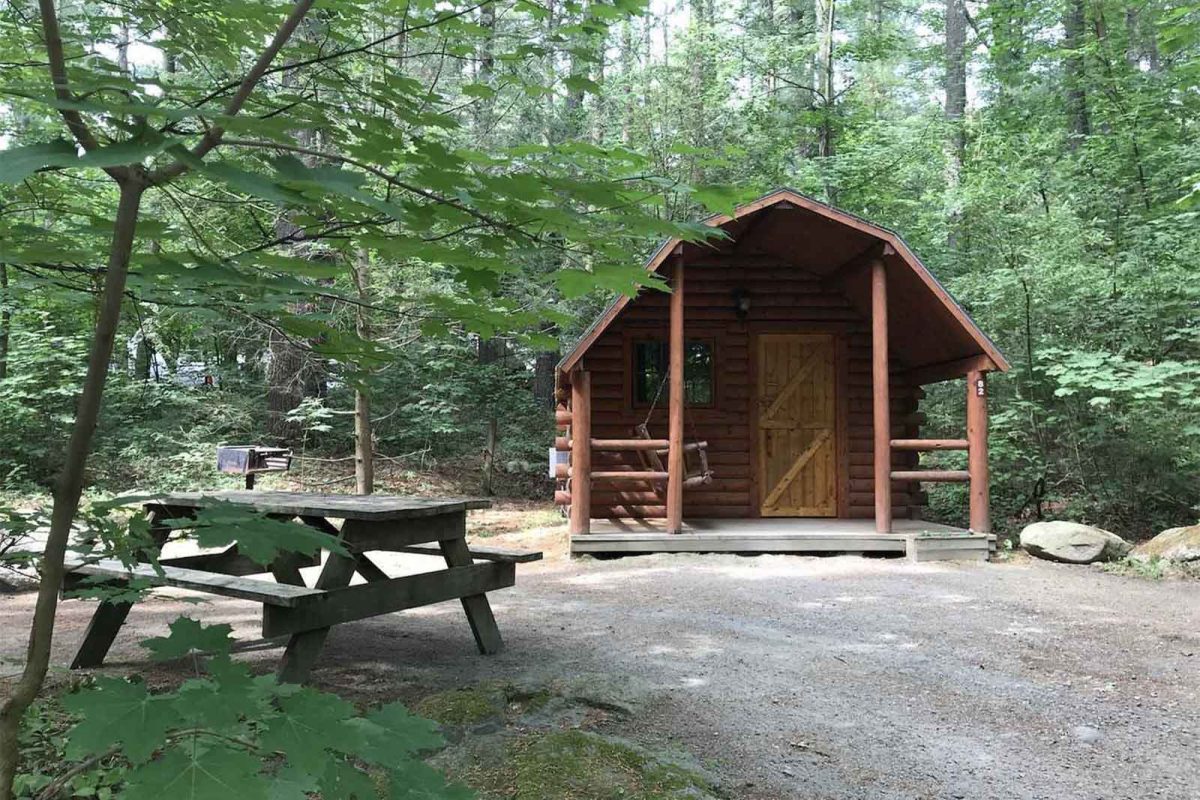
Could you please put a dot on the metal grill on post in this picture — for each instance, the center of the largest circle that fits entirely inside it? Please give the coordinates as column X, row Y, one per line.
column 251, row 459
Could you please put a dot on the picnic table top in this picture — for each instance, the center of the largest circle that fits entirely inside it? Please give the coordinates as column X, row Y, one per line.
column 373, row 507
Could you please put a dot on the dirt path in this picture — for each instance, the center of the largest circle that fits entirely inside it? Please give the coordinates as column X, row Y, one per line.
column 814, row 678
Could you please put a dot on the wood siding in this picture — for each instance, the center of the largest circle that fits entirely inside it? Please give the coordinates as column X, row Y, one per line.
column 783, row 300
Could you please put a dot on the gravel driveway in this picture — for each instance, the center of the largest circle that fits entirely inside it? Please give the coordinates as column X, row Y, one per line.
column 812, row 678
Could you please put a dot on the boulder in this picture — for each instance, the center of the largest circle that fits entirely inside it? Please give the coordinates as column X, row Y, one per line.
column 1173, row 544
column 1072, row 543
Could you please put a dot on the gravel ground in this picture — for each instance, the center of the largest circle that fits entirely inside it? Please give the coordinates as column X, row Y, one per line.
column 809, row 677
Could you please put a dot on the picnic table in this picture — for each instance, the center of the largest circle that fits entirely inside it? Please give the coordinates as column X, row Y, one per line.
column 304, row 614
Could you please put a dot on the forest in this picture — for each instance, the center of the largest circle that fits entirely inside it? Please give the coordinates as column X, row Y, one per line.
column 1041, row 158
column 367, row 230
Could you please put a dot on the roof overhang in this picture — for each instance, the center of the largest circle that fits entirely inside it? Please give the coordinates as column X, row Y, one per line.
column 863, row 241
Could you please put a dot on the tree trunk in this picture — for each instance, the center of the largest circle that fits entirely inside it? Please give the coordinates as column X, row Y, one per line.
column 543, row 379
column 364, row 447
column 491, row 351
column 1074, row 68
column 5, row 321
column 484, row 108
column 826, row 16
column 956, row 106
column 285, row 385
column 489, row 457
column 292, row 372
column 69, row 485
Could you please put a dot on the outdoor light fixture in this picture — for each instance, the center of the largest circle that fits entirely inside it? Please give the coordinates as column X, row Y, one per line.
column 741, row 303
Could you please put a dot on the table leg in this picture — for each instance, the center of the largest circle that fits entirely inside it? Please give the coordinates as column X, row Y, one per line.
column 108, row 618
column 303, row 648
column 477, row 607
column 286, row 569
column 370, row 571
column 101, row 632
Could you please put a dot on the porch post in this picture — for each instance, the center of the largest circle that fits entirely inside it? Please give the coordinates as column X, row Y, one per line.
column 581, row 452
column 881, row 418
column 675, row 405
column 977, row 450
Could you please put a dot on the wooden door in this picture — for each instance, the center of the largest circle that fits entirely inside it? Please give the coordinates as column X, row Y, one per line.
column 797, row 425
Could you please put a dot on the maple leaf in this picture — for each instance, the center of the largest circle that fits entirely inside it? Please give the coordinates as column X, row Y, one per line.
column 117, row 711
column 189, row 771
column 189, row 636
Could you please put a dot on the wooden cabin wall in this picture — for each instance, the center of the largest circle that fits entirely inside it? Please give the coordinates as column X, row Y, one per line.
column 783, row 300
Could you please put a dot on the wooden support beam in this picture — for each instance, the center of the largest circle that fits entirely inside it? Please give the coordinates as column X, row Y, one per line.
column 563, row 443
column 675, row 406
column 947, row 370
column 932, row 475
column 581, row 454
column 629, row 444
column 690, row 447
column 350, row 603
column 977, row 456
column 929, row 444
column 630, row 475
column 881, row 413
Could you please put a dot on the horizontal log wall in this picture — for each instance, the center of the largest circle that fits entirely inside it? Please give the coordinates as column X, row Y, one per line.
column 782, row 300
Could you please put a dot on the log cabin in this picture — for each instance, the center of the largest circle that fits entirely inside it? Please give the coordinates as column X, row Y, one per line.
column 768, row 402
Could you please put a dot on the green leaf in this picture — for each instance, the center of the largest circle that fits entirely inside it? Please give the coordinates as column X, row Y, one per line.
column 189, row 636
column 416, row 780
column 118, row 712
column 100, row 588
column 130, row 151
column 258, row 537
column 580, row 83
column 199, row 772
column 393, row 733
column 718, row 199
column 252, row 183
column 343, row 781
column 292, row 783
column 307, row 726
column 18, row 163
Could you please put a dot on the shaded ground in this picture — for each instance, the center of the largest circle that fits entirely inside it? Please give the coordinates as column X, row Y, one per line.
column 793, row 677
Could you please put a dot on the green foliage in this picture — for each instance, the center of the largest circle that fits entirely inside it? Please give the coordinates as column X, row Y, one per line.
column 226, row 733
column 584, row 765
column 258, row 537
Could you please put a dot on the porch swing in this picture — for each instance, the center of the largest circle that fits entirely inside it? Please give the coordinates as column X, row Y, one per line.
column 695, row 453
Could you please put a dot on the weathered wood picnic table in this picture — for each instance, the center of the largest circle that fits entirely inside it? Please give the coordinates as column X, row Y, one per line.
column 304, row 614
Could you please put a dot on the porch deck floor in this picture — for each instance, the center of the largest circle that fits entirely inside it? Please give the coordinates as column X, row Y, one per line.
column 765, row 535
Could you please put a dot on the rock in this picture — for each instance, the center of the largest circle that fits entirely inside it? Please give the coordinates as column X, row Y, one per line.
column 1072, row 543
column 1087, row 734
column 1173, row 544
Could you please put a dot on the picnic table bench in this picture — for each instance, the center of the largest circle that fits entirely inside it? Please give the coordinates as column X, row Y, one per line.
column 304, row 614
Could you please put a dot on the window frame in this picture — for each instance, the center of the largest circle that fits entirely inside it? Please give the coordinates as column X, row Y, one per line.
column 635, row 340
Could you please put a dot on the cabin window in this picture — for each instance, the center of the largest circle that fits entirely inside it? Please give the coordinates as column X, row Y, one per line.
column 651, row 362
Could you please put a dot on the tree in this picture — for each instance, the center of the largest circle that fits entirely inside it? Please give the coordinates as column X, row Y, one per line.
column 244, row 141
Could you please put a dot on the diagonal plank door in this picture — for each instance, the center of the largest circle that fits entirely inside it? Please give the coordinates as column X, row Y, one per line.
column 797, row 425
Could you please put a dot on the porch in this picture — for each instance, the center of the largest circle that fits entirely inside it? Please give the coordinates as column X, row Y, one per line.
column 916, row 539
column 792, row 391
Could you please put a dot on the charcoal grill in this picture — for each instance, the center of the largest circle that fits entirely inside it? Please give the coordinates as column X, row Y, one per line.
column 250, row 459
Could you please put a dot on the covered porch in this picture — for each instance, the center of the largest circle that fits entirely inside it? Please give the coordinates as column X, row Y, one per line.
column 791, row 358
column 915, row 539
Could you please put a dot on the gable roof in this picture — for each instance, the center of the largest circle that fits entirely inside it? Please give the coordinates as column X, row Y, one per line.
column 856, row 238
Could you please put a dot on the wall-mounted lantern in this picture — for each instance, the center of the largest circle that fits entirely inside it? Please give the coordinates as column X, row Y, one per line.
column 741, row 303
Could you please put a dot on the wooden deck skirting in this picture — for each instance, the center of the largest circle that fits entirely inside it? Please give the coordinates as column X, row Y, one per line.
column 919, row 541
